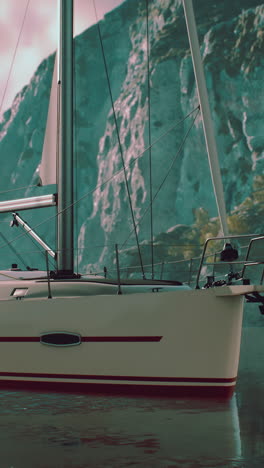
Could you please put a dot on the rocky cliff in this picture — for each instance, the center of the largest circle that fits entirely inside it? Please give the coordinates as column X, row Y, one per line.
column 151, row 125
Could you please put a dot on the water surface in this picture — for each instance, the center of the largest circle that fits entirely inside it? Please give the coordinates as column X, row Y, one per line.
column 40, row 430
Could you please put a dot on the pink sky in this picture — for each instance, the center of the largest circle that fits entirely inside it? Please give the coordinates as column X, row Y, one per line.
column 38, row 39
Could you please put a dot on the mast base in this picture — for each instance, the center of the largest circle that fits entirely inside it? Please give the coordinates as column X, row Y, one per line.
column 64, row 274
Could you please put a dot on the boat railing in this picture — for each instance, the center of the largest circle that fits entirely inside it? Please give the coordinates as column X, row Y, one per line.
column 182, row 270
column 193, row 271
column 243, row 264
column 196, row 271
column 247, row 263
column 200, row 269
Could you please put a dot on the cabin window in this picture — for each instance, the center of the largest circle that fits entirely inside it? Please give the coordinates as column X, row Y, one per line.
column 60, row 339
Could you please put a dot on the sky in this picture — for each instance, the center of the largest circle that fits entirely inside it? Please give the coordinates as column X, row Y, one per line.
column 38, row 38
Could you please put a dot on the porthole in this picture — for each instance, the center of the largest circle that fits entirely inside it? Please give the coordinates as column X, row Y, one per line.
column 60, row 339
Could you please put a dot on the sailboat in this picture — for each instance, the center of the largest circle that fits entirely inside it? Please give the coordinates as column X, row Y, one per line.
column 67, row 332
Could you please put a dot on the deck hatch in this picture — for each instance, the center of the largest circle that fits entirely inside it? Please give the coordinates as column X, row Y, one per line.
column 60, row 339
column 19, row 292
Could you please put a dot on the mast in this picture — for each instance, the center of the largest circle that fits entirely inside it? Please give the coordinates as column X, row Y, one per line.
column 65, row 258
column 206, row 115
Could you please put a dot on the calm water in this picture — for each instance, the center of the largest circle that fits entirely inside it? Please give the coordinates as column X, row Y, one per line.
column 80, row 431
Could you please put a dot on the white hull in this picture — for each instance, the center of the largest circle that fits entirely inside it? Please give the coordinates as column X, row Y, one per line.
column 178, row 340
column 153, row 337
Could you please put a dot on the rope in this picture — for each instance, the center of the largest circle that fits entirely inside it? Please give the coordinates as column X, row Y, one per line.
column 19, row 188
column 105, row 182
column 168, row 172
column 26, row 233
column 58, row 142
column 14, row 56
column 14, row 250
column 150, row 154
column 120, row 147
column 75, row 155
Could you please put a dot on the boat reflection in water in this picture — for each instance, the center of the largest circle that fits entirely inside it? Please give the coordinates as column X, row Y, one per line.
column 61, row 430
column 250, row 391
column 95, row 431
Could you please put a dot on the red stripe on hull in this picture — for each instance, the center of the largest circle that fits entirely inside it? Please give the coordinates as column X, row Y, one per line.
column 182, row 391
column 118, row 377
column 120, row 339
column 19, row 339
column 85, row 339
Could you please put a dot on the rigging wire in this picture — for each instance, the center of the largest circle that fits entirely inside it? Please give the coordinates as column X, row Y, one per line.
column 14, row 56
column 12, row 248
column 119, row 142
column 168, row 172
column 75, row 155
column 19, row 188
column 26, row 233
column 99, row 186
column 149, row 139
column 58, row 140
column 117, row 173
column 119, row 145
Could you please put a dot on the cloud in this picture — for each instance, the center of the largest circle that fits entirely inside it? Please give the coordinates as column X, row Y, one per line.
column 38, row 38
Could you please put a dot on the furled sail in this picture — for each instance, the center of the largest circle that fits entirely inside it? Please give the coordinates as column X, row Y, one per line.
column 48, row 166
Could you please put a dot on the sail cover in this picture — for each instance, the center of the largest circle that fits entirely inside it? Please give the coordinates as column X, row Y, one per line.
column 48, row 166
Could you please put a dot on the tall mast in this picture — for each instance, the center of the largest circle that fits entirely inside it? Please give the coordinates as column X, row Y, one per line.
column 65, row 258
column 206, row 115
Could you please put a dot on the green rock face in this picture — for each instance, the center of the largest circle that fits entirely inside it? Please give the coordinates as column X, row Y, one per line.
column 152, row 90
